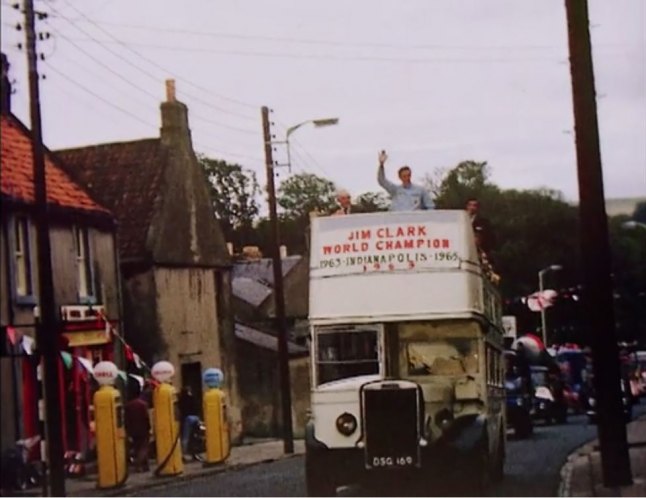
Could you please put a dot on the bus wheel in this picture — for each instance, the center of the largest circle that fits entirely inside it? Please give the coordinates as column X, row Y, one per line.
column 319, row 481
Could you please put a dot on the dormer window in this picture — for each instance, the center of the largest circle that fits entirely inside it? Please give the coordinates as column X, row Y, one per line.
column 84, row 265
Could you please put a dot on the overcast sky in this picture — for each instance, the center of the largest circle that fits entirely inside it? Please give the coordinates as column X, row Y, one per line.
column 433, row 82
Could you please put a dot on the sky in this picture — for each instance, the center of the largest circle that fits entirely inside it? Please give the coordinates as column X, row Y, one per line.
column 432, row 82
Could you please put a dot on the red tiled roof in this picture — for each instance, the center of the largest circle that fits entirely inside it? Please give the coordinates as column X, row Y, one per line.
column 17, row 174
column 126, row 177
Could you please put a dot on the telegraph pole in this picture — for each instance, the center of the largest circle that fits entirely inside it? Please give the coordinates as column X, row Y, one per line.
column 47, row 329
column 597, row 297
column 279, row 295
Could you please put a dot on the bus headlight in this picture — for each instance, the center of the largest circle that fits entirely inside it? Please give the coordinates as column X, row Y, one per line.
column 346, row 424
column 443, row 419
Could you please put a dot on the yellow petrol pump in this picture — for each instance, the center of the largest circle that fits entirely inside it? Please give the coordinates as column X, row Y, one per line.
column 215, row 418
column 110, row 430
column 166, row 422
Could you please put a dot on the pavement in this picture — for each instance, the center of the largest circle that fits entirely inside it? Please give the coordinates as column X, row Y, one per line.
column 252, row 453
column 582, row 476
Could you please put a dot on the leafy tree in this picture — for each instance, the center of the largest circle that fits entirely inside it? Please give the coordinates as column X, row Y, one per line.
column 234, row 192
column 467, row 179
column 371, row 202
column 533, row 229
column 305, row 192
column 628, row 248
column 640, row 213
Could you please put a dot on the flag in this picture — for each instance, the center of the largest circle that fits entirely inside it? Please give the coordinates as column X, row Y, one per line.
column 541, row 300
column 27, row 344
column 11, row 334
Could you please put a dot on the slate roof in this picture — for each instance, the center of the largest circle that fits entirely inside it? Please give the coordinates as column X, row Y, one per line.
column 250, row 290
column 253, row 281
column 127, row 176
column 17, row 174
column 265, row 340
column 262, row 269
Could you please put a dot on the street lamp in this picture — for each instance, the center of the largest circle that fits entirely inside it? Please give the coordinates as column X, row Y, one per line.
column 318, row 123
column 540, row 289
column 279, row 294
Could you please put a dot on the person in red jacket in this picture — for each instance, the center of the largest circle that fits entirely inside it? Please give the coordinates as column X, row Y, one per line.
column 138, row 429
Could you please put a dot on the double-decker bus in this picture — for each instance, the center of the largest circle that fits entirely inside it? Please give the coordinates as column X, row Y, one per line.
column 406, row 352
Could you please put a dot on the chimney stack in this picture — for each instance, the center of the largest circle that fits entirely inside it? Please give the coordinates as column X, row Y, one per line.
column 170, row 91
column 174, row 117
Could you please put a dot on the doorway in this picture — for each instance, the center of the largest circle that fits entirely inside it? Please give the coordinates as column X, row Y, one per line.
column 192, row 377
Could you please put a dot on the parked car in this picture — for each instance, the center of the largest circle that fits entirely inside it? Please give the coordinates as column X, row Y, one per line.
column 518, row 389
column 626, row 401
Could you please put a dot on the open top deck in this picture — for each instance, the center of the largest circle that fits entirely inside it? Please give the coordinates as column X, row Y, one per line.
column 396, row 266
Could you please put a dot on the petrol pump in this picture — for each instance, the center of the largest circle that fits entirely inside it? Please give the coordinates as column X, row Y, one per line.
column 110, row 430
column 166, row 422
column 215, row 418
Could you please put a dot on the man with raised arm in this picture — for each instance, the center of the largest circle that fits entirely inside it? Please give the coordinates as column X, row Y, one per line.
column 407, row 196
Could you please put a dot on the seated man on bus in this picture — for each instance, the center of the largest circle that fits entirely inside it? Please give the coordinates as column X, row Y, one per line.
column 344, row 201
column 407, row 196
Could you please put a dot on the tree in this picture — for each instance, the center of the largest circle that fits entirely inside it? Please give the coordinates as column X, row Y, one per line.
column 234, row 192
column 371, row 202
column 533, row 228
column 467, row 179
column 640, row 213
column 629, row 279
column 305, row 192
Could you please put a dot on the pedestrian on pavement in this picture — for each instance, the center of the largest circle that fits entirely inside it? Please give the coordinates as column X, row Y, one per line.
column 407, row 196
column 138, row 428
column 189, row 410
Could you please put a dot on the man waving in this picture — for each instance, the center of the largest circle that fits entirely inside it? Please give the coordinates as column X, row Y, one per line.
column 407, row 196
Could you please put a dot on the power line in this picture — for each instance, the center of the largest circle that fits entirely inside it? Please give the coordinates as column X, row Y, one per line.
column 314, row 161
column 335, row 43
column 333, row 57
column 150, row 94
column 87, row 90
column 153, row 63
column 134, row 116
column 71, row 41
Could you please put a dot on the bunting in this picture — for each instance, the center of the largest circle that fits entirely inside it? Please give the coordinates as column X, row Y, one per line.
column 129, row 352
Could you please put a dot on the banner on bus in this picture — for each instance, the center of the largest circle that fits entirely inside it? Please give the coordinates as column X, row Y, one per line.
column 393, row 243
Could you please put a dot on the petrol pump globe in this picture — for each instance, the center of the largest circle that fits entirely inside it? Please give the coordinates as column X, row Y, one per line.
column 163, row 371
column 213, row 377
column 105, row 373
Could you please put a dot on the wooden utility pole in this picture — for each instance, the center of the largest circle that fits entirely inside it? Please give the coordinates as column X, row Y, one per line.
column 279, row 295
column 595, row 250
column 47, row 329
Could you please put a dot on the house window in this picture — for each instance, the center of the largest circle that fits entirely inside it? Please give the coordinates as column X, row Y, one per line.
column 22, row 258
column 84, row 265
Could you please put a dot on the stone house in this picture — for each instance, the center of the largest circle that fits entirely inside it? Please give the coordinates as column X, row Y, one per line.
column 175, row 267
column 85, row 279
column 260, row 383
column 253, row 297
column 254, row 306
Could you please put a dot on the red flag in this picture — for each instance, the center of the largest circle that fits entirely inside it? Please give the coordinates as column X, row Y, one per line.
column 11, row 334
